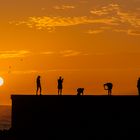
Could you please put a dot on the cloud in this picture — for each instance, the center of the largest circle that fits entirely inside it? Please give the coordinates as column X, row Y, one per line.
column 54, row 70
column 94, row 31
column 53, row 22
column 129, row 31
column 112, row 15
column 105, row 10
column 36, row 72
column 13, row 54
column 65, row 53
column 48, row 52
column 64, row 7
column 128, row 22
column 68, row 53
column 120, row 16
column 134, row 32
column 24, row 72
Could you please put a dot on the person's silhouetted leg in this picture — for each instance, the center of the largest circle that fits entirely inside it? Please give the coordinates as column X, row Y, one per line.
column 60, row 91
column 37, row 91
column 40, row 90
column 109, row 92
column 139, row 91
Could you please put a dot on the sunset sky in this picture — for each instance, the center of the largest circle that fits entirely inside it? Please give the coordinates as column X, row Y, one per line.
column 88, row 42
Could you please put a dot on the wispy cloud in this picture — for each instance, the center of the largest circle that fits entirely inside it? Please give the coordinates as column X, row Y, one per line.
column 134, row 32
column 64, row 7
column 68, row 53
column 94, row 31
column 105, row 10
column 127, row 21
column 18, row 72
column 13, row 54
column 24, row 72
column 47, row 52
column 52, row 22
column 65, row 53
column 129, row 31
column 112, row 15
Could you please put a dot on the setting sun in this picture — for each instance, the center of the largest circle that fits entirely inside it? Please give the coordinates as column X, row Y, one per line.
column 1, row 81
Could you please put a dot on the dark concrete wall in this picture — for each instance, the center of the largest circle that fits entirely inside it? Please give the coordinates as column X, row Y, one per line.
column 61, row 113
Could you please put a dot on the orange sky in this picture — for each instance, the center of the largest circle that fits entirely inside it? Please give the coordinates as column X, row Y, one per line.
column 88, row 42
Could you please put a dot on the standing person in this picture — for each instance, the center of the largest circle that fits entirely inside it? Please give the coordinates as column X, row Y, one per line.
column 108, row 86
column 138, row 86
column 38, row 83
column 60, row 81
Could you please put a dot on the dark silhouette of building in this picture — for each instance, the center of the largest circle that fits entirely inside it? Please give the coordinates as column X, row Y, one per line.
column 60, row 85
column 138, row 86
column 89, row 117
column 108, row 86
column 80, row 91
column 38, row 83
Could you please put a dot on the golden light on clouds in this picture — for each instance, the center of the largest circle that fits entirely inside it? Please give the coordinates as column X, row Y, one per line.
column 94, row 31
column 52, row 22
column 64, row 7
column 13, row 54
column 68, row 53
column 110, row 15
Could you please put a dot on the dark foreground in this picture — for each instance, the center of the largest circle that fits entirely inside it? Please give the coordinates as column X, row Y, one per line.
column 74, row 117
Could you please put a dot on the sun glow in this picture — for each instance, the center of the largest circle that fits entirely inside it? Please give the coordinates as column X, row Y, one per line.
column 1, row 81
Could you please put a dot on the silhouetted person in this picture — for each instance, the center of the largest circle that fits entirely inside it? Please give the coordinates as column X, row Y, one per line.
column 138, row 86
column 80, row 91
column 60, row 86
column 108, row 86
column 38, row 83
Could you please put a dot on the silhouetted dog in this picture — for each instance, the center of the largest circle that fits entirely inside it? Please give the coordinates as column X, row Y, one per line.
column 80, row 91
